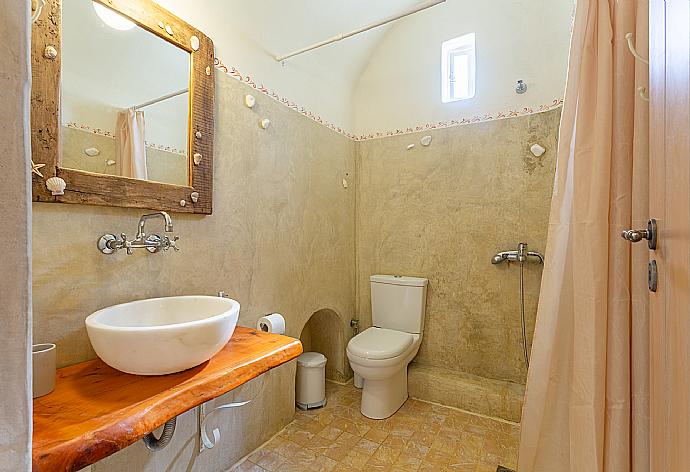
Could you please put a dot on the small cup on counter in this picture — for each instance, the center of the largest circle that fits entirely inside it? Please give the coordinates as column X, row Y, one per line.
column 44, row 360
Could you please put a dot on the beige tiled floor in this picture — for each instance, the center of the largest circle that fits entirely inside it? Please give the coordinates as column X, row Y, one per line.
column 419, row 437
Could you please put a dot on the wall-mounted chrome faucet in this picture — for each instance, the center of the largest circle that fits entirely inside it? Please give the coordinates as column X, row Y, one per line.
column 521, row 255
column 109, row 243
column 145, row 218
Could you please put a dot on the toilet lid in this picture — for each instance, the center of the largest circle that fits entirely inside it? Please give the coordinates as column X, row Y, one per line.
column 379, row 343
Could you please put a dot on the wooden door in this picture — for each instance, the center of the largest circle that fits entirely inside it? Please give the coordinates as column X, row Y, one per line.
column 670, row 205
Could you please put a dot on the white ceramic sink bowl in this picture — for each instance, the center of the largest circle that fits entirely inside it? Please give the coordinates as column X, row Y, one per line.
column 162, row 335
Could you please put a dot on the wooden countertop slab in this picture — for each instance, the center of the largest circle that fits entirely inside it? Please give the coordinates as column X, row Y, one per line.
column 96, row 410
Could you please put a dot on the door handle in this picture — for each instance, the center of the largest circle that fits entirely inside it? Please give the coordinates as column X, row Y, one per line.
column 636, row 235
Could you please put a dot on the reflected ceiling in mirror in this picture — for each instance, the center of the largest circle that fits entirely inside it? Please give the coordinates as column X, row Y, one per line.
column 124, row 98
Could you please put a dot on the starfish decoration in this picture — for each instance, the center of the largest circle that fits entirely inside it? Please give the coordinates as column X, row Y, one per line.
column 35, row 167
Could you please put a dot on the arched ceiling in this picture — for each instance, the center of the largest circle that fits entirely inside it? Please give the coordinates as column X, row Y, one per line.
column 279, row 26
column 248, row 34
column 326, row 82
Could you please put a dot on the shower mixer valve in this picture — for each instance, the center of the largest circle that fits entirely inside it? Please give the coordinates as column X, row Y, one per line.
column 520, row 255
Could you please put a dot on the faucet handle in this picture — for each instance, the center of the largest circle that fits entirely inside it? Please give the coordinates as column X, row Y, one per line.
column 171, row 243
column 124, row 244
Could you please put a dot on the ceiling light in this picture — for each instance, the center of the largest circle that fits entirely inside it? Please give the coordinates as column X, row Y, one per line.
column 112, row 19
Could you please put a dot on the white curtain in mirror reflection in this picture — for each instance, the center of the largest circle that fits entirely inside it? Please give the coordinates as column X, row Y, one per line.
column 131, row 144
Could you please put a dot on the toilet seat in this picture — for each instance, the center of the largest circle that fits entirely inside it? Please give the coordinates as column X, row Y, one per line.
column 380, row 343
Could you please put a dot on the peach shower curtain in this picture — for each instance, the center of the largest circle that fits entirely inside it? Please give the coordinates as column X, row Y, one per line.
column 131, row 145
column 586, row 403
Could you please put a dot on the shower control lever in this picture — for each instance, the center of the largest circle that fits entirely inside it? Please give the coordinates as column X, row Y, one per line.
column 521, row 255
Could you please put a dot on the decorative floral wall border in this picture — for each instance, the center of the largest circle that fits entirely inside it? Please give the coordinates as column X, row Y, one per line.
column 557, row 102
column 246, row 79
column 108, row 134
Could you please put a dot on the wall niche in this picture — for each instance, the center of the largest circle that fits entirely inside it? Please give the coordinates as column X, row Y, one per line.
column 324, row 333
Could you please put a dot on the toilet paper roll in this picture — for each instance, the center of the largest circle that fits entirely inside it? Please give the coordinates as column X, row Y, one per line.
column 273, row 323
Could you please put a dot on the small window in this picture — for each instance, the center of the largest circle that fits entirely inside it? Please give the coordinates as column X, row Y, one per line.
column 458, row 68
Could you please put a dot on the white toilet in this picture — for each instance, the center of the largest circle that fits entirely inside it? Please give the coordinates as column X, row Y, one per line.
column 380, row 355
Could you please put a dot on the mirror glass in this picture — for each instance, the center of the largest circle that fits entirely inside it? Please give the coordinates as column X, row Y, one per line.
column 124, row 97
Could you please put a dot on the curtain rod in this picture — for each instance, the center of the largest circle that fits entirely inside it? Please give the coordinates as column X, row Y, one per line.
column 160, row 99
column 342, row 36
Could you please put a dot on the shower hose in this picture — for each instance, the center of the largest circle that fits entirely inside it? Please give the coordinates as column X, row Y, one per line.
column 522, row 313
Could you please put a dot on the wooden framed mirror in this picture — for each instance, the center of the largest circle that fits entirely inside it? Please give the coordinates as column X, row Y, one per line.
column 122, row 107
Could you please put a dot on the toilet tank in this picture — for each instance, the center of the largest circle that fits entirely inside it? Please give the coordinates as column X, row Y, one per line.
column 398, row 302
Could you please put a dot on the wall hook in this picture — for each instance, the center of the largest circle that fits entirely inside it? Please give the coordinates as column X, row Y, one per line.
column 643, row 93
column 633, row 51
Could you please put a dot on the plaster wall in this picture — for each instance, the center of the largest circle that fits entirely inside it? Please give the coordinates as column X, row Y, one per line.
column 442, row 212
column 15, row 273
